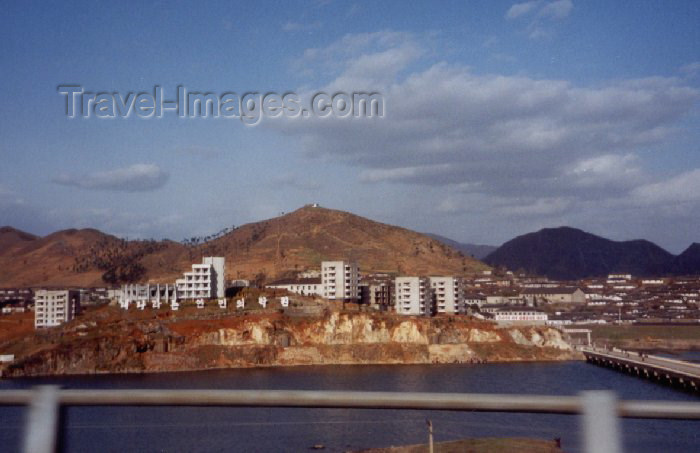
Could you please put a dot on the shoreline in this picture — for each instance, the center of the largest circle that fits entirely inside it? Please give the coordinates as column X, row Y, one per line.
column 574, row 358
column 110, row 344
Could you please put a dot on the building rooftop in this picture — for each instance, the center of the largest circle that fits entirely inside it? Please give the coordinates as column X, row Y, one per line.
column 296, row 281
column 559, row 290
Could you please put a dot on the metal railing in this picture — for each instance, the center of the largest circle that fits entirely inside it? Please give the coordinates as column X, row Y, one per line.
column 687, row 372
column 600, row 409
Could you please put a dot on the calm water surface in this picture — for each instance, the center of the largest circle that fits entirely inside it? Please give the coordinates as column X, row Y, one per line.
column 153, row 429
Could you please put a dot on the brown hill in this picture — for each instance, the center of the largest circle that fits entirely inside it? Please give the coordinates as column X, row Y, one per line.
column 268, row 249
column 302, row 239
column 78, row 258
column 12, row 237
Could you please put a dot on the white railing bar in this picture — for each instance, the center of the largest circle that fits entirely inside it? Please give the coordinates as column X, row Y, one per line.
column 351, row 399
column 41, row 426
column 601, row 430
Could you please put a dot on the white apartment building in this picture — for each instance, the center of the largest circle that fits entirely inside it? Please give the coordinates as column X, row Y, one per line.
column 340, row 280
column 449, row 297
column 55, row 307
column 413, row 296
column 205, row 281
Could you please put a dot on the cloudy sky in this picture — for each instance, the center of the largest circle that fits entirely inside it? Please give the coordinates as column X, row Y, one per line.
column 500, row 118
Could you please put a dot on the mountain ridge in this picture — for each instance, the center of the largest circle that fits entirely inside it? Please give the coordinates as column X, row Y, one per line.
column 271, row 248
column 567, row 253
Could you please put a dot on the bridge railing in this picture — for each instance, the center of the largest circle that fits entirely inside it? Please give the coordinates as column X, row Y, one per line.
column 600, row 409
column 631, row 354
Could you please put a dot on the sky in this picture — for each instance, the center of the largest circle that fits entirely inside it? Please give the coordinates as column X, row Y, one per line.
column 500, row 118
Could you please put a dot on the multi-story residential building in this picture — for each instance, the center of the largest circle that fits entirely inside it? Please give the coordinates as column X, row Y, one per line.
column 205, row 281
column 303, row 286
column 340, row 280
column 413, row 296
column 448, row 293
column 378, row 294
column 55, row 307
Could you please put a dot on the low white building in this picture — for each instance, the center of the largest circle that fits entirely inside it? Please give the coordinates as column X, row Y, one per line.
column 340, row 280
column 302, row 286
column 618, row 278
column 205, row 281
column 497, row 300
column 563, row 294
column 474, row 300
column 521, row 315
column 413, row 296
column 157, row 293
column 55, row 307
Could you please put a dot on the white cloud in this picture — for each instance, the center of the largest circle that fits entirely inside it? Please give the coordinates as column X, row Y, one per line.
column 557, row 10
column 136, row 178
column 505, row 153
column 681, row 188
column 447, row 126
column 542, row 15
column 606, row 171
column 363, row 59
column 520, row 9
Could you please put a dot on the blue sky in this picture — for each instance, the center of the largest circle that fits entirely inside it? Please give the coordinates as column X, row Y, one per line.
column 501, row 117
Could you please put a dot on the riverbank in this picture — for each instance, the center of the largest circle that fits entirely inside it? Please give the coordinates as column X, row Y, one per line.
column 108, row 340
column 482, row 445
column 648, row 338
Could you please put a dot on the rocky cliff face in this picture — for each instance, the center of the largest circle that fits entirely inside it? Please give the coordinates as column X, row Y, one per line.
column 276, row 340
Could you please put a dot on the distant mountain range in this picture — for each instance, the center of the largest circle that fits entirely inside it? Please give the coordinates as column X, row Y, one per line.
column 282, row 246
column 569, row 254
column 268, row 249
column 477, row 251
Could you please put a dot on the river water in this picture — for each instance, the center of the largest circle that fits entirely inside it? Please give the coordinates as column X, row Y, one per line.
column 156, row 429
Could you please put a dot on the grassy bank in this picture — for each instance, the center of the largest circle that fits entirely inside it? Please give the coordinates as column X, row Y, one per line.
column 482, row 445
column 647, row 337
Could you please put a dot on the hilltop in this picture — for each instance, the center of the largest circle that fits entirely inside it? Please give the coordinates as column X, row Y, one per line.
column 267, row 249
column 12, row 237
column 305, row 237
column 80, row 257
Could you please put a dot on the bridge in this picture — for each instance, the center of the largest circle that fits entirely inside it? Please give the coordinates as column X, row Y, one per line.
column 677, row 373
